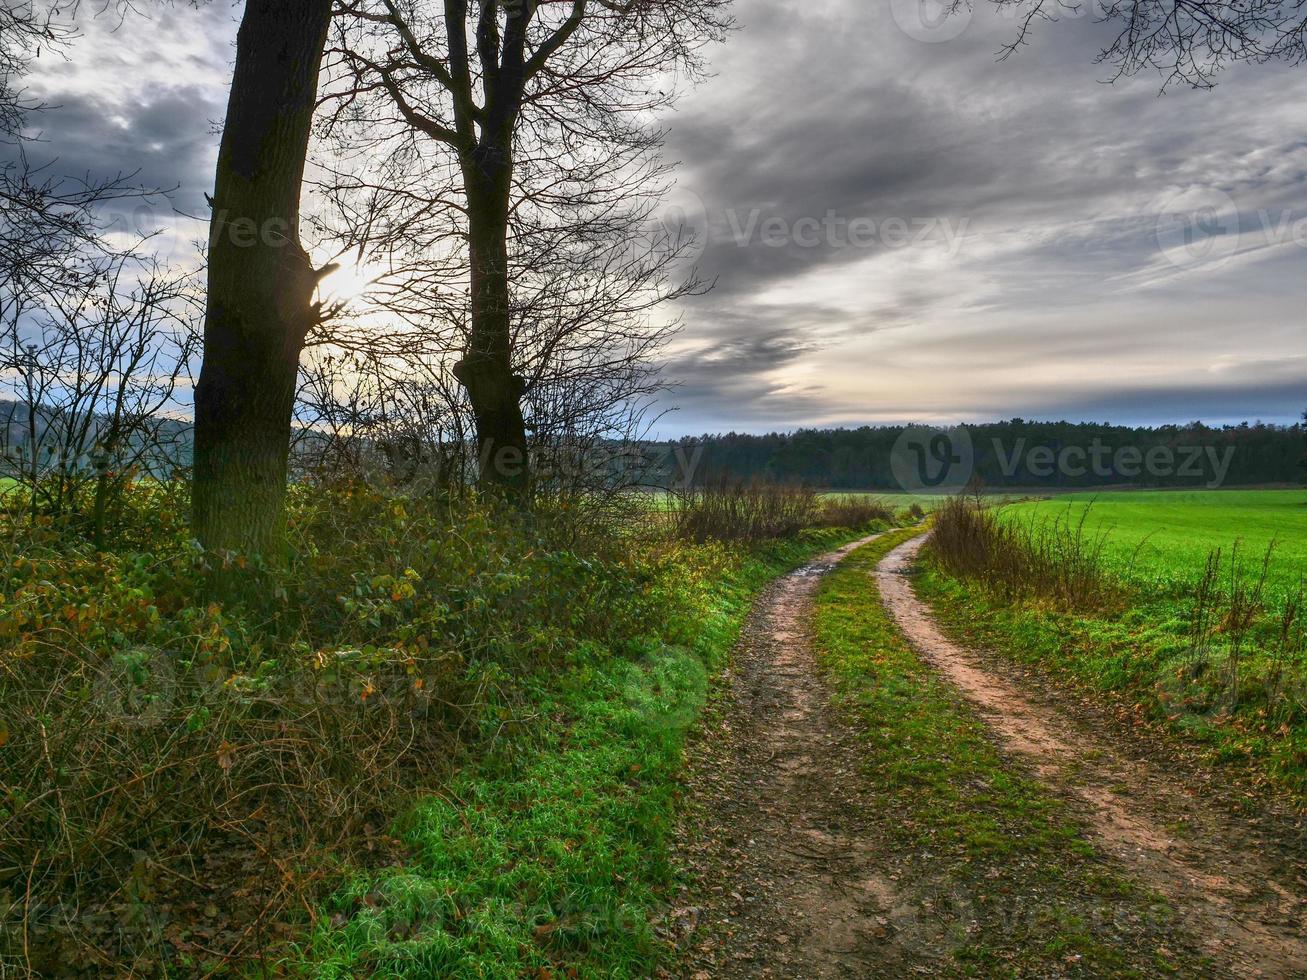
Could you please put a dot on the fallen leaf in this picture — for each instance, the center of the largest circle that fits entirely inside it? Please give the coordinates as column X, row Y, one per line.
column 226, row 756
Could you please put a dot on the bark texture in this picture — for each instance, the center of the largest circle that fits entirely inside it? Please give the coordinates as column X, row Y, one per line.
column 486, row 370
column 261, row 282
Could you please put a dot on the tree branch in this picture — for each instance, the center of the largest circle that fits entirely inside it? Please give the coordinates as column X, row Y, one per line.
column 556, row 40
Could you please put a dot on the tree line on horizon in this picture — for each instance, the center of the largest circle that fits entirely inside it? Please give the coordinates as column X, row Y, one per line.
column 500, row 160
column 862, row 458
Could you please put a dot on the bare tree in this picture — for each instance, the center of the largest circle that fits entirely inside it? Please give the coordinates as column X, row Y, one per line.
column 261, row 281
column 585, row 336
column 25, row 30
column 1188, row 41
column 379, row 393
column 92, row 360
column 516, row 133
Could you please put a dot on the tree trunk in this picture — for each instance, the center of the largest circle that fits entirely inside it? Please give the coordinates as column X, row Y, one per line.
column 486, row 370
column 261, row 282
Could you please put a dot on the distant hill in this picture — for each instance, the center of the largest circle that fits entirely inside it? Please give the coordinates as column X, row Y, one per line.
column 173, row 436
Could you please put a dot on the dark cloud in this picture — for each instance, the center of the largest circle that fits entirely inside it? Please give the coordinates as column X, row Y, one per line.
column 1218, row 401
column 1060, row 181
column 740, row 357
column 138, row 95
column 1055, row 280
column 162, row 143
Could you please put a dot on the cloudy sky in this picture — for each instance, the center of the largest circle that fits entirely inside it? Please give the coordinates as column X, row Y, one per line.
column 901, row 226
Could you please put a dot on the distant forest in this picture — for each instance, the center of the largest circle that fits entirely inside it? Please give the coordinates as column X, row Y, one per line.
column 1015, row 453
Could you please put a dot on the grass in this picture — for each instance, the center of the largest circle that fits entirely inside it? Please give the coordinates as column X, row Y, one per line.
column 551, row 853
column 1028, row 895
column 439, row 740
column 1201, row 650
column 1142, row 655
column 896, row 502
column 1161, row 539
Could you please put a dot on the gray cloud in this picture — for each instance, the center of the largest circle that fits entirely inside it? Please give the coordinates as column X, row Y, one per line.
column 1064, row 293
column 1218, row 401
column 1061, row 182
column 163, row 141
column 139, row 95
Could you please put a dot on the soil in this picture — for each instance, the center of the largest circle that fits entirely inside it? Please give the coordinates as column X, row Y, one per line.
column 797, row 877
column 1238, row 884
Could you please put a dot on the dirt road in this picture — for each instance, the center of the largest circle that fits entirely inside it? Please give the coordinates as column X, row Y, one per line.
column 793, row 870
column 1241, row 888
column 798, row 876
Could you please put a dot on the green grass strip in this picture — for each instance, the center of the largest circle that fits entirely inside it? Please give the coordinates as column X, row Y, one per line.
column 551, row 854
column 1142, row 654
column 1014, row 887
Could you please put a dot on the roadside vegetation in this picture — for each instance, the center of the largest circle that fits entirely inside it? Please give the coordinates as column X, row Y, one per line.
column 996, row 877
column 1202, row 638
column 754, row 510
column 443, row 736
column 1161, row 539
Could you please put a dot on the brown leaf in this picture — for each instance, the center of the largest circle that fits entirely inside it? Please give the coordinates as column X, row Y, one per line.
column 226, row 756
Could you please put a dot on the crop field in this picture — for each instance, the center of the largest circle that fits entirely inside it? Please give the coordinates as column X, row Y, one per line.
column 1163, row 538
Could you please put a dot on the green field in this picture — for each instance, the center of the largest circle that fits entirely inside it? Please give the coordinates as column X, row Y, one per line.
column 897, row 501
column 1238, row 694
column 1163, row 538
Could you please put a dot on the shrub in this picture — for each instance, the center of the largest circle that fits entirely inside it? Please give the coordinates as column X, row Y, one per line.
column 1055, row 560
column 854, row 512
column 152, row 741
column 736, row 510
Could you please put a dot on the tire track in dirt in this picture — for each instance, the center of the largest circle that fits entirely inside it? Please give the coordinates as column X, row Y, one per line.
column 793, row 867
column 1249, row 908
